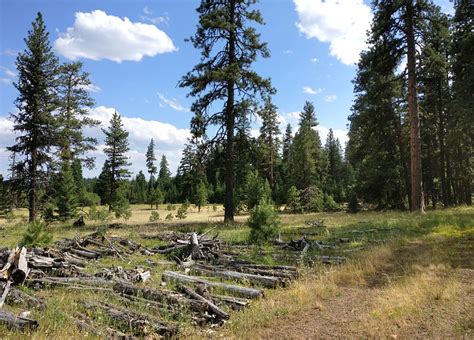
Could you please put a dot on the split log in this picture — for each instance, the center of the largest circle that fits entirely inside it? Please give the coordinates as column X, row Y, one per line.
column 216, row 310
column 155, row 295
column 13, row 321
column 266, row 281
column 20, row 271
column 84, row 253
column 6, row 290
column 238, row 290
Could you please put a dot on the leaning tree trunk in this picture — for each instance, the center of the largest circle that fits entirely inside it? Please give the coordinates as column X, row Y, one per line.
column 230, row 124
column 417, row 202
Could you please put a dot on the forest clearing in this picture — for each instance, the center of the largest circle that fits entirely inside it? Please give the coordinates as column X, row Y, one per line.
column 239, row 169
column 403, row 275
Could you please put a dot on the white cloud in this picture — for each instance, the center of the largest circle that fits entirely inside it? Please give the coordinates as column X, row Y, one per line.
column 341, row 23
column 310, row 90
column 287, row 52
column 9, row 52
column 148, row 16
column 9, row 75
column 92, row 88
column 173, row 103
column 330, row 98
column 314, row 60
column 338, row 133
column 97, row 35
column 169, row 140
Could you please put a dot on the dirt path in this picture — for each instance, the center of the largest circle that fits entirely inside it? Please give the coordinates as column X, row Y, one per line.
column 444, row 309
column 333, row 320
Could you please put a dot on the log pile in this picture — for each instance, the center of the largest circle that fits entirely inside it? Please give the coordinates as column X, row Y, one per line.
column 192, row 246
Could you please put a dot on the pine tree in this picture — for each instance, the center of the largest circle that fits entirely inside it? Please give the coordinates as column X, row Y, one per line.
column 268, row 142
column 307, row 164
column 116, row 141
column 151, row 158
column 334, row 181
column 229, row 46
column 200, row 197
column 34, row 123
column 102, row 186
column 74, row 104
column 460, row 124
column 66, row 199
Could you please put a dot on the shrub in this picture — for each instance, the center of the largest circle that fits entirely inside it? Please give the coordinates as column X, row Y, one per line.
column 170, row 207
column 293, row 201
column 121, row 207
column 214, row 207
column 97, row 214
column 353, row 205
column 36, row 235
column 169, row 217
column 88, row 199
column 182, row 211
column 48, row 213
column 155, row 216
column 329, row 203
column 256, row 189
column 264, row 223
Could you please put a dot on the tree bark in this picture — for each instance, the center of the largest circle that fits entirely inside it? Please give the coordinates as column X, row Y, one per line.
column 230, row 125
column 13, row 321
column 417, row 202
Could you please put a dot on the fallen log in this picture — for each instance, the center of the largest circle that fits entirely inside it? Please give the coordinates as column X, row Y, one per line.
column 6, row 290
column 266, row 272
column 13, row 321
column 232, row 301
column 264, row 266
column 266, row 281
column 251, row 293
column 84, row 253
column 155, row 295
column 216, row 310
column 86, row 281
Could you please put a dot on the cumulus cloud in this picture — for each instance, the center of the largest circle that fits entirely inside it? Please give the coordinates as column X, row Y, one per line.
column 8, row 76
column 311, row 91
column 338, row 133
column 92, row 88
column 173, row 103
column 169, row 140
column 287, row 52
column 341, row 23
column 97, row 35
column 156, row 20
column 330, row 98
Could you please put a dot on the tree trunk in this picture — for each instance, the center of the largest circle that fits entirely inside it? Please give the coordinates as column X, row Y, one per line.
column 417, row 202
column 230, row 124
column 32, row 188
column 442, row 152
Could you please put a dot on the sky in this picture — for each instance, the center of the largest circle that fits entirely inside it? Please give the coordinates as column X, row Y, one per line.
column 136, row 53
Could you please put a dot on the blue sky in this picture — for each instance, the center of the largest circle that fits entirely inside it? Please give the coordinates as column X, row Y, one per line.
column 136, row 63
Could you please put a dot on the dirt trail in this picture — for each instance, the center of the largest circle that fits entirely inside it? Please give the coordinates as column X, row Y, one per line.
column 345, row 315
column 333, row 320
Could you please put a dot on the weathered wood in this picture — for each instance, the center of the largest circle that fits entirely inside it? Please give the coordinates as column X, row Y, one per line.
column 216, row 310
column 267, row 272
column 6, row 290
column 13, row 321
column 19, row 273
column 267, row 267
column 87, row 281
column 83, row 253
column 232, row 301
column 266, row 281
column 156, row 295
column 238, row 290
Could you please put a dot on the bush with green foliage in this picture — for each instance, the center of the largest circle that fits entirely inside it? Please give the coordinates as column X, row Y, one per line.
column 353, row 206
column 98, row 214
column 36, row 235
column 182, row 212
column 329, row 203
column 88, row 199
column 170, row 207
column 293, row 202
column 256, row 189
column 264, row 223
column 120, row 206
column 48, row 214
column 155, row 216
column 169, row 217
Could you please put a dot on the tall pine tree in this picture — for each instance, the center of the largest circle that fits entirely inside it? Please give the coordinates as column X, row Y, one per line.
column 34, row 123
column 229, row 46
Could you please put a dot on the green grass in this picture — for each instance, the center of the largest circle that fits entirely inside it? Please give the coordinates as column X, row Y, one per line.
column 443, row 237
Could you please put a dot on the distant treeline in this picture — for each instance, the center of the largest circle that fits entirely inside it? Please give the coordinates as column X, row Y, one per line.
column 410, row 136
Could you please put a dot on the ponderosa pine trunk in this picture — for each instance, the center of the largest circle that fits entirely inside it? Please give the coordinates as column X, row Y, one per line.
column 230, row 124
column 417, row 202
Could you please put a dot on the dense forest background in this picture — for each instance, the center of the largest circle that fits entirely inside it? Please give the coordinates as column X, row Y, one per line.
column 410, row 127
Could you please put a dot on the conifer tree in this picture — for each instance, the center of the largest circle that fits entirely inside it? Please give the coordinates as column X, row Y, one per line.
column 102, row 186
column 66, row 197
column 268, row 142
column 151, row 158
column 307, row 164
column 34, row 123
column 74, row 104
column 229, row 46
column 116, row 141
